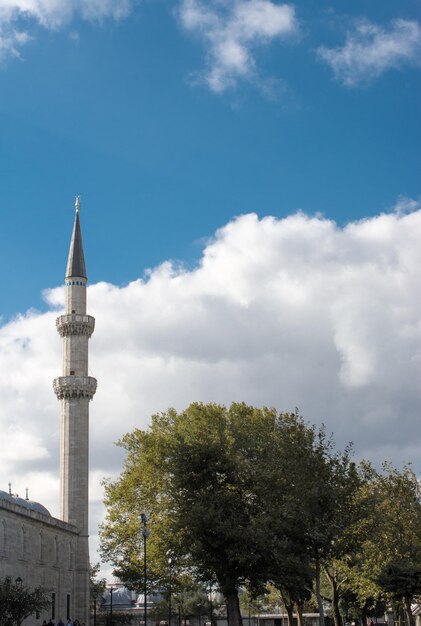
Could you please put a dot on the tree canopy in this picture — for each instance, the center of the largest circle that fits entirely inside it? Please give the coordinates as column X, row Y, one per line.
column 17, row 602
column 248, row 497
column 241, row 495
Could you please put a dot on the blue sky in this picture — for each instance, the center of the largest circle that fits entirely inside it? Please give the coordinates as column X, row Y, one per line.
column 117, row 105
column 251, row 215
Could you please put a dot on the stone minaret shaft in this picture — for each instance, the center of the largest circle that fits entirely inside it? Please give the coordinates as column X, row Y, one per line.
column 75, row 389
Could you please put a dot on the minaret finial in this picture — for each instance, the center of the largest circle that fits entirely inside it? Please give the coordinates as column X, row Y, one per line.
column 10, row 489
column 76, row 260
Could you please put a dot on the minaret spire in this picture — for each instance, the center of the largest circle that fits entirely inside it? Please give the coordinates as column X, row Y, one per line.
column 75, row 389
column 76, row 260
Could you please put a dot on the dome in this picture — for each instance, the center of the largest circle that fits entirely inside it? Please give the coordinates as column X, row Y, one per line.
column 26, row 504
column 39, row 508
column 21, row 502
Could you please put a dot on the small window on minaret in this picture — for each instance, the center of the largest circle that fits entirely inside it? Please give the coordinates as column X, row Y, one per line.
column 73, row 311
column 72, row 372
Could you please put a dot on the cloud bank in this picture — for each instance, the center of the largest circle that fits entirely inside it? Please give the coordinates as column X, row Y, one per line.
column 18, row 17
column 370, row 50
column 231, row 32
column 288, row 313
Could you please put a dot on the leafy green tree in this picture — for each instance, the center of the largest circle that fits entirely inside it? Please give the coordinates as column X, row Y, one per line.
column 397, row 536
column 17, row 602
column 313, row 487
column 194, row 473
column 236, row 494
column 383, row 544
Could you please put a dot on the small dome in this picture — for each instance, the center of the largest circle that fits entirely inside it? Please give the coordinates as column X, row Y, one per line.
column 27, row 504
column 40, row 508
column 21, row 502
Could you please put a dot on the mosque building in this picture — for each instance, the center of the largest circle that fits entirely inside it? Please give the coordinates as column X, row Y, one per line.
column 34, row 546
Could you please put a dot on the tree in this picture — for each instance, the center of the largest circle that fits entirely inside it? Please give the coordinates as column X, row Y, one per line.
column 397, row 536
column 18, row 602
column 382, row 559
column 233, row 493
column 312, row 511
column 96, row 586
column 193, row 473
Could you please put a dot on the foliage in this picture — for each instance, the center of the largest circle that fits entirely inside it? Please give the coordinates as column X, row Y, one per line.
column 383, row 544
column 96, row 585
column 401, row 579
column 17, row 602
column 239, row 495
column 120, row 618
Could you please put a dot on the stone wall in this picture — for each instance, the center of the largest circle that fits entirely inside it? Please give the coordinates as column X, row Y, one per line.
column 42, row 550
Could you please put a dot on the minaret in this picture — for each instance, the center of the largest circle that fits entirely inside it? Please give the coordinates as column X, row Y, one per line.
column 75, row 389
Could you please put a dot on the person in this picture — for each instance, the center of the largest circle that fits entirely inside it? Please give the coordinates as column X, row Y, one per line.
column 60, row 622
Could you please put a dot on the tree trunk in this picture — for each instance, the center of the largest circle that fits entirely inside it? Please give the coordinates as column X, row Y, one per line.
column 233, row 607
column 408, row 613
column 289, row 607
column 290, row 614
column 300, row 619
column 335, row 599
column 318, row 596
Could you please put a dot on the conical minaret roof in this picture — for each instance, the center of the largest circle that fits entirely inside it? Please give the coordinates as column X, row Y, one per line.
column 76, row 261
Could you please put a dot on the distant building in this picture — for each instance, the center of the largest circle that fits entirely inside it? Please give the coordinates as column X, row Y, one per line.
column 34, row 546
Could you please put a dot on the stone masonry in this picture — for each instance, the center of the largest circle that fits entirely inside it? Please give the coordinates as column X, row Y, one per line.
column 75, row 389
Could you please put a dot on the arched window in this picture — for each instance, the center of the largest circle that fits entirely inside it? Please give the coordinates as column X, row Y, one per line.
column 3, row 532
column 22, row 542
column 55, row 556
column 41, row 547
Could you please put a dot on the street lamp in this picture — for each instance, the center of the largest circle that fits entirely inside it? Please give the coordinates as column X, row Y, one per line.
column 169, row 588
column 145, row 534
column 210, row 604
column 111, row 606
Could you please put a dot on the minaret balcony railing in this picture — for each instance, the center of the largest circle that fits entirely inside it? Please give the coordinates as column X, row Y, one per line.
column 68, row 387
column 75, row 324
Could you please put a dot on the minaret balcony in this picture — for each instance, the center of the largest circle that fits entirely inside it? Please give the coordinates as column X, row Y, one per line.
column 68, row 387
column 75, row 324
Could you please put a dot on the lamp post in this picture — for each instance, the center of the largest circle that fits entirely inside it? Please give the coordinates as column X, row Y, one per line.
column 210, row 604
column 169, row 589
column 111, row 606
column 145, row 534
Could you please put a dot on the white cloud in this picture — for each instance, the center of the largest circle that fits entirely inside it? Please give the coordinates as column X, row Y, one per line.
column 291, row 312
column 18, row 17
column 370, row 50
column 11, row 40
column 407, row 205
column 232, row 31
